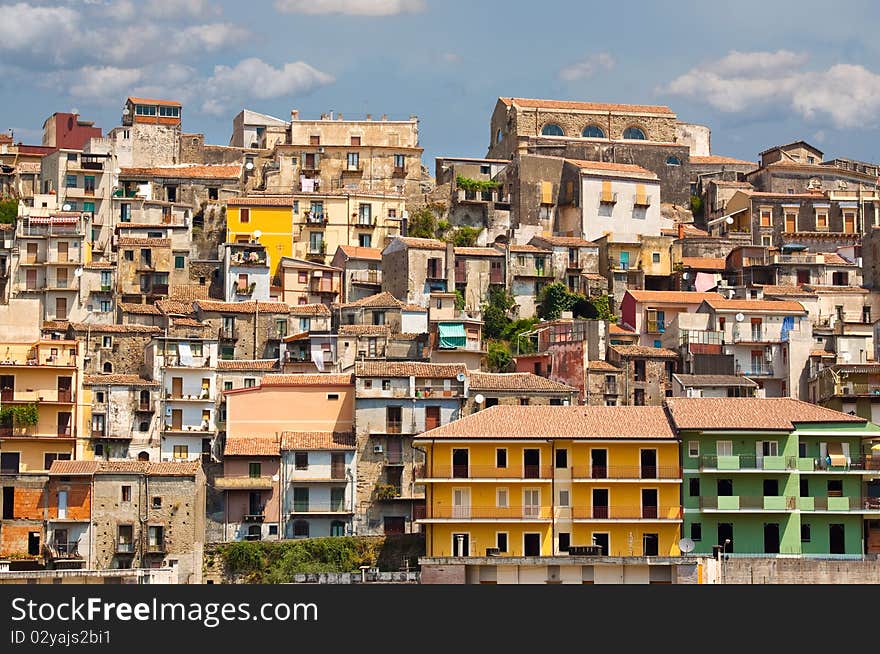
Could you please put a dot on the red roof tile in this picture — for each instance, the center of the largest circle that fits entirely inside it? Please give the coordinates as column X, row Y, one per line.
column 247, row 446
column 356, row 252
column 749, row 413
column 317, row 440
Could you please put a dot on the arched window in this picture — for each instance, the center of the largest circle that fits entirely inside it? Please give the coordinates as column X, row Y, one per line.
column 337, row 528
column 552, row 129
column 300, row 529
column 499, row 135
column 634, row 134
column 593, row 132
column 673, row 161
column 143, row 456
column 108, row 367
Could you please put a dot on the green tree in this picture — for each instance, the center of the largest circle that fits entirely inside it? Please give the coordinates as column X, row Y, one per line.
column 459, row 300
column 499, row 357
column 422, row 223
column 8, row 211
column 465, row 237
column 495, row 321
column 556, row 298
column 602, row 306
column 696, row 205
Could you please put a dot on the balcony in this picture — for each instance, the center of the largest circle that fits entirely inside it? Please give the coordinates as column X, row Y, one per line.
column 774, row 504
column 756, row 336
column 842, row 504
column 581, row 473
column 322, row 286
column 156, row 548
column 764, row 370
column 747, row 462
column 227, row 334
column 254, row 517
column 857, row 464
column 244, row 482
column 124, row 548
column 608, row 198
column 644, row 201
column 489, row 513
column 189, row 429
column 204, row 396
column 144, row 407
column 449, row 472
column 320, row 509
column 398, row 171
column 61, row 550
column 364, row 223
column 610, row 389
column 367, row 277
column 196, row 362
column 629, row 513
column 856, row 390
column 313, row 218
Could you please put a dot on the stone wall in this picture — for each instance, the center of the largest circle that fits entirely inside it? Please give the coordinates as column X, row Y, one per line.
column 29, row 510
column 154, row 145
column 797, row 571
column 126, row 355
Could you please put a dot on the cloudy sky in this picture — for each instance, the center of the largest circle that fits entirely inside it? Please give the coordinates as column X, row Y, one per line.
column 759, row 74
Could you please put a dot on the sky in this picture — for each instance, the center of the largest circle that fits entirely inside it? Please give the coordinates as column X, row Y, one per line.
column 759, row 74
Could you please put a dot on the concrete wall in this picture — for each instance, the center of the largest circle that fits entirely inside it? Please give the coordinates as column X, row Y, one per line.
column 795, row 571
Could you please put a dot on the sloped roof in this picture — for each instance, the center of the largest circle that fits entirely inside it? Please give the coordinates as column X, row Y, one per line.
column 717, row 159
column 762, row 306
column 515, row 381
column 383, row 300
column 644, row 351
column 311, row 310
column 701, row 381
column 252, row 446
column 152, row 468
column 421, row 243
column 608, row 166
column 213, row 306
column 188, row 171
column 357, row 252
column 563, row 241
column 115, row 329
column 409, row 369
column 307, row 380
column 140, row 309
column 317, row 440
column 671, row 297
column 117, row 380
column 704, row 263
column 364, row 330
column 247, row 364
column 750, row 413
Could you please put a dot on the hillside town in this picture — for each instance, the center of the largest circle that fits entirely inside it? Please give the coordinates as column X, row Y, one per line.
column 603, row 353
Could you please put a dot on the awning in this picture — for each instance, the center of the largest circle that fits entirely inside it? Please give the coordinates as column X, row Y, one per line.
column 452, row 335
column 835, row 452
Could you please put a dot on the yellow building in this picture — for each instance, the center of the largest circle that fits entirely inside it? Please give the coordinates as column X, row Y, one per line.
column 46, row 375
column 545, row 480
column 313, row 225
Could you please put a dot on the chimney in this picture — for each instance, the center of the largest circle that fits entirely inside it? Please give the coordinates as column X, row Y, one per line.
column 384, row 116
column 340, row 116
column 294, row 114
column 369, row 116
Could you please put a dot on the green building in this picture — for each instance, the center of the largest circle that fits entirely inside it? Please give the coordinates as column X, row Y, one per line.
column 777, row 476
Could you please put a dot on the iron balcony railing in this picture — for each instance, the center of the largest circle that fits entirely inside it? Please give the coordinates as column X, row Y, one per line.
column 487, row 472
column 626, row 513
column 744, row 503
column 747, row 462
column 626, row 472
column 443, row 512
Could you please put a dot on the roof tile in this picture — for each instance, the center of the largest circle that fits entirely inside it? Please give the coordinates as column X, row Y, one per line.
column 317, row 440
column 749, row 413
column 409, row 369
column 250, row 446
column 515, row 381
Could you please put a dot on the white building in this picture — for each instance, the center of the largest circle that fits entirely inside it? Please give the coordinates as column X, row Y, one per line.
column 247, row 272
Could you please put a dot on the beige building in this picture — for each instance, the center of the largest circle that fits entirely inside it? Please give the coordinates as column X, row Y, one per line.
column 307, row 282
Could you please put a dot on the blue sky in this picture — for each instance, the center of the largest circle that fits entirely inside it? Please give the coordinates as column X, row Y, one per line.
column 759, row 74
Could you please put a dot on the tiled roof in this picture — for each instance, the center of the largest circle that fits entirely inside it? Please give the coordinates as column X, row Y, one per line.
column 601, row 366
column 526, row 248
column 115, row 329
column 55, row 326
column 189, row 292
column 140, row 309
column 381, row 300
column 824, row 354
column 313, row 310
column 688, row 232
column 267, row 201
column 515, row 381
column 421, row 243
column 715, row 380
column 185, row 172
column 317, row 440
column 620, row 330
column 749, row 413
column 607, row 166
column 152, row 468
column 717, row 159
column 410, row 369
column 838, row 289
column 671, row 297
column 260, row 364
column 100, row 265
column 246, row 446
column 356, row 252
column 834, row 259
column 127, row 241
column 798, row 291
column 189, row 322
column 785, row 306
column 364, row 330
column 242, row 307
column 532, row 103
column 563, row 241
column 307, row 380
column 166, row 103
column 542, row 422
column 179, row 307
column 644, row 351
column 117, row 380
column 477, row 252
column 704, row 263
column 728, row 183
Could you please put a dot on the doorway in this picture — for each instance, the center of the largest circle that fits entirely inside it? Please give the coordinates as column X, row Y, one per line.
column 461, row 503
column 649, row 503
column 177, row 419
column 649, row 464
column 599, row 464
column 650, row 545
column 460, row 466
column 725, row 533
column 603, row 542
column 531, row 544
column 837, row 539
column 461, row 545
column 600, row 503
column 394, row 525
column 771, row 538
column 531, row 464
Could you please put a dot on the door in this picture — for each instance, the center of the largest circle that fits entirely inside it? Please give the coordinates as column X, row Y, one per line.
column 31, row 279
column 337, row 500
column 849, row 222
column 32, row 253
column 790, row 222
column 7, row 388
column 649, row 503
column 255, row 503
column 337, row 465
column 599, row 464
column 432, row 417
column 600, row 503
column 177, row 419
column 64, row 386
column 62, row 505
column 177, row 387
column 61, row 307
column 394, row 525
column 531, row 503
column 394, row 452
column 460, row 464
column 837, row 539
column 624, row 260
column 59, row 538
column 771, row 538
column 649, row 464
column 725, row 537
column 651, row 545
column 300, row 500
column 461, row 544
column 532, row 464
column 63, row 423
column 603, row 542
column 461, row 502
column 532, row 545
column 771, row 488
column 62, row 252
column 61, row 278
column 803, row 277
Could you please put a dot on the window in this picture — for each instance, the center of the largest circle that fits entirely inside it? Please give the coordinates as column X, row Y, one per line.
column 128, row 255
column 564, row 541
column 303, row 277
column 227, row 386
column 333, row 397
column 70, row 181
column 100, row 397
column 354, row 160
column 255, row 470
column 179, row 262
column 8, row 502
column 213, row 193
column 181, row 451
column 805, row 533
column 694, row 486
column 399, row 161
column 244, row 215
column 365, row 214
column 725, row 487
column 365, row 240
column 639, row 397
column 634, row 134
column 655, row 257
column 673, row 161
column 157, row 502
column 766, row 214
column 502, row 498
column 696, row 531
column 501, row 541
column 564, row 498
column 552, row 129
column 49, row 458
column 250, row 382
column 501, row 457
column 316, row 242
column 99, row 450
column 561, row 459
column 693, row 449
column 301, row 460
column 593, row 132
column 724, row 448
column 386, row 384
column 822, row 220
column 105, row 306
column 107, row 342
column 144, row 426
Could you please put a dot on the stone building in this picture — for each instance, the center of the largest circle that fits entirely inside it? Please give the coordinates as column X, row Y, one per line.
column 310, row 344
column 476, row 270
column 144, row 269
column 142, row 514
column 361, row 271
column 246, row 273
column 602, row 384
column 394, row 403
column 383, row 309
column 413, row 268
column 527, row 274
column 246, row 330
column 365, row 342
column 308, row 282
column 646, row 378
column 113, row 349
column 574, row 262
column 472, row 196
column 486, row 389
column 125, row 422
column 456, row 336
column 251, row 129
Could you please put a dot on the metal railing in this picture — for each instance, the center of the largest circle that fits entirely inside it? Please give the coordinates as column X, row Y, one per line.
column 745, row 502
column 487, row 472
column 488, row 512
column 367, row 277
column 842, row 503
column 747, row 462
column 626, row 472
column 626, row 513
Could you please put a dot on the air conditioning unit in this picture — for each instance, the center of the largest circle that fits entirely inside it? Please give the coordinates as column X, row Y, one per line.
column 378, row 449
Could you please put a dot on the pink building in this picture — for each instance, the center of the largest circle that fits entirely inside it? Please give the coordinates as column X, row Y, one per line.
column 649, row 313
column 251, row 483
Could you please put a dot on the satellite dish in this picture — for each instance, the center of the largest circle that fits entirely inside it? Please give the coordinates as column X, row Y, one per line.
column 686, row 545
column 729, row 220
column 846, row 356
column 461, row 377
column 479, row 399
column 65, row 207
column 275, row 477
column 258, row 234
column 249, row 165
column 740, row 317
column 125, row 111
column 78, row 272
column 685, row 275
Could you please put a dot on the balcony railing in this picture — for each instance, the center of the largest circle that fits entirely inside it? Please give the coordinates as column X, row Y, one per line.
column 764, row 370
column 63, row 549
column 254, row 517
column 487, row 472
column 610, row 389
column 866, row 390
column 156, row 548
column 487, row 512
column 745, row 503
column 124, row 548
column 626, row 472
column 672, row 513
column 320, row 507
column 747, row 462
column 839, row 503
column 371, row 277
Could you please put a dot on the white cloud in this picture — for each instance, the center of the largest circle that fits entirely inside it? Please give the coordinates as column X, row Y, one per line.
column 41, row 31
column 750, row 82
column 174, row 8
column 587, row 67
column 351, row 7
column 210, row 37
column 100, row 84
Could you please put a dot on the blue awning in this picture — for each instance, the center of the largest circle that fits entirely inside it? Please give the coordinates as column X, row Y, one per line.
column 452, row 335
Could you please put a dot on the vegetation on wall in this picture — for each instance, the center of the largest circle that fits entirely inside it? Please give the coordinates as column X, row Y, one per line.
column 465, row 237
column 459, row 300
column 555, row 298
column 478, row 186
column 422, row 223
column 26, row 415
column 503, row 333
column 697, row 206
column 8, row 211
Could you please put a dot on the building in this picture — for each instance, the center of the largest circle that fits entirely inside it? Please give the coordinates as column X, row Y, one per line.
column 361, row 271
column 488, row 389
column 649, row 313
column 112, row 348
column 646, row 373
column 246, row 273
column 527, row 274
column 455, row 335
column 246, row 330
column 144, row 269
column 477, row 269
column 413, row 268
column 395, row 402
column 252, row 488
column 712, row 386
column 574, row 262
column 307, row 282
column 125, row 418
column 358, row 343
column 851, row 388
column 544, row 481
column 775, row 477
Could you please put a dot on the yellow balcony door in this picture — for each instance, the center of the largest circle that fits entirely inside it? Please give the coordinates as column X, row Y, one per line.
column 461, row 502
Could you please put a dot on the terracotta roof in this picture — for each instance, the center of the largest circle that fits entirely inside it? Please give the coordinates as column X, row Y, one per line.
column 824, row 354
column 189, row 322
column 421, row 243
column 166, row 103
column 307, row 380
column 189, row 292
column 704, row 263
column 140, row 309
column 612, row 167
column 169, row 307
column 601, row 366
column 568, row 422
column 317, row 440
column 762, row 306
column 515, row 381
column 619, row 329
column 717, row 159
column 791, row 196
column 477, row 252
column 409, row 369
column 671, row 297
column 728, row 183
column 126, row 241
column 563, row 241
column 117, row 380
column 356, row 252
column 242, row 307
column 267, row 201
column 185, row 172
column 533, row 103
column 115, row 329
column 380, row 300
column 260, row 364
column 152, row 468
column 644, row 351
column 314, row 310
column 364, row 330
column 749, row 413
column 839, row 289
column 834, row 259
column 55, row 326
column 413, row 308
column 245, row 446
column 689, row 232
column 799, row 291
column 715, row 380
column 526, row 248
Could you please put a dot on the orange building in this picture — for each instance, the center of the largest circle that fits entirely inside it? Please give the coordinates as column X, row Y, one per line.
column 151, row 112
